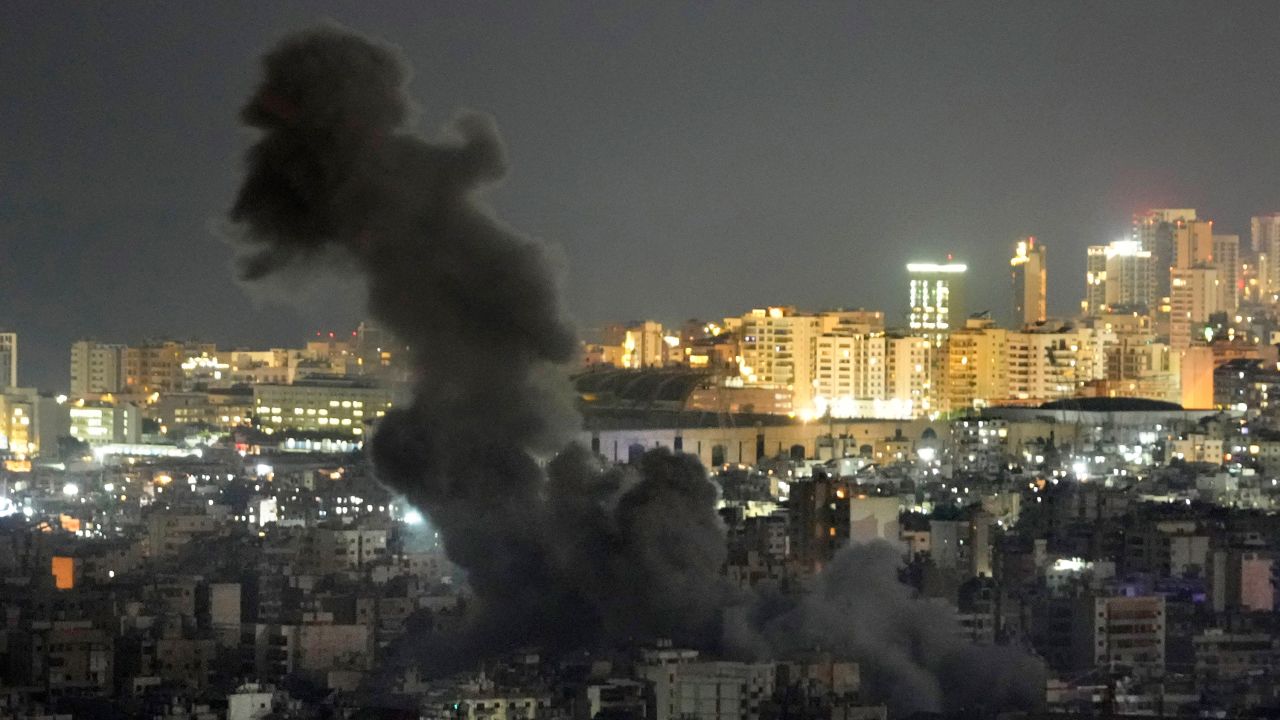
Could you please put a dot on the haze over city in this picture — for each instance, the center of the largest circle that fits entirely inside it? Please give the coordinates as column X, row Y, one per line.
column 685, row 159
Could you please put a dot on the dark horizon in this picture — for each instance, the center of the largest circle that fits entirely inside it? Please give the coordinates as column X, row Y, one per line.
column 687, row 160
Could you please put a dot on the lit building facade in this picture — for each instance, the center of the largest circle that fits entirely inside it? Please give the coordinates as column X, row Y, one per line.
column 1131, row 277
column 777, row 345
column 97, row 368
column 342, row 408
column 849, row 374
column 639, row 344
column 936, row 296
column 1192, row 243
column 1195, row 374
column 1194, row 297
column 1052, row 363
column 99, row 423
column 907, row 377
column 977, row 365
column 157, row 366
column 1030, row 278
column 30, row 423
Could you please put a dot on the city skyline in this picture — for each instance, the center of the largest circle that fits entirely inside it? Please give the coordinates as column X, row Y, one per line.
column 800, row 370
column 904, row 140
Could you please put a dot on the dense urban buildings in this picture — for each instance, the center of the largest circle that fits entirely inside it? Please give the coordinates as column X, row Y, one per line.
column 1099, row 490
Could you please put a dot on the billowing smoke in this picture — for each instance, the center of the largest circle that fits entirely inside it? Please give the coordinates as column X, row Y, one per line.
column 578, row 553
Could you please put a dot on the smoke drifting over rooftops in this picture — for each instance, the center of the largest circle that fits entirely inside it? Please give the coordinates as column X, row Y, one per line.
column 578, row 554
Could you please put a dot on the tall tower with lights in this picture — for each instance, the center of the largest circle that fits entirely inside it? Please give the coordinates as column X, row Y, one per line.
column 1028, row 273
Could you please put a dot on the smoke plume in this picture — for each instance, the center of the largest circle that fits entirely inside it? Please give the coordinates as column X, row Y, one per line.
column 578, row 553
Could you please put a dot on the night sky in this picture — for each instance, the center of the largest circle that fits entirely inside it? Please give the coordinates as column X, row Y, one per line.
column 688, row 159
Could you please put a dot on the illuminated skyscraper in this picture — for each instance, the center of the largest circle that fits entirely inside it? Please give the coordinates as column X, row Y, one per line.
column 1029, row 281
column 937, row 298
column 1131, row 276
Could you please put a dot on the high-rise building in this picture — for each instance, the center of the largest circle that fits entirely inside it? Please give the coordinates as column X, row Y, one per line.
column 1095, row 281
column 8, row 359
column 1124, row 632
column 97, row 368
column 907, row 380
column 936, row 298
column 777, row 346
column 1193, row 299
column 1265, row 239
column 1192, row 243
column 1130, row 281
column 977, row 365
column 1050, row 362
column 1154, row 231
column 1264, row 233
column 157, row 366
column 1029, row 282
column 849, row 374
column 1226, row 260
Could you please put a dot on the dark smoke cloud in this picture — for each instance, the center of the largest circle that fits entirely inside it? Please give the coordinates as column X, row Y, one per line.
column 579, row 554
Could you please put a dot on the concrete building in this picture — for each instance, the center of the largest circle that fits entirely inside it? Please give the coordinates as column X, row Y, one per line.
column 8, row 360
column 349, row 548
column 1195, row 373
column 97, row 368
column 908, row 383
column 638, row 344
column 31, row 423
column 1223, row 655
column 1095, row 280
column 337, row 407
column 1226, row 260
column 1132, row 277
column 156, row 366
column 685, row 688
column 1126, row 632
column 1052, row 362
column 1154, row 231
column 1030, row 280
column 1195, row 295
column 252, row 701
column 849, row 374
column 1192, row 243
column 977, row 365
column 936, row 298
column 874, row 518
column 99, row 423
column 1265, row 240
column 777, row 345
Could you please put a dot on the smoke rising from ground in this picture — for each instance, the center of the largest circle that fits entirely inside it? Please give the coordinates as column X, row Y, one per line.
column 580, row 553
